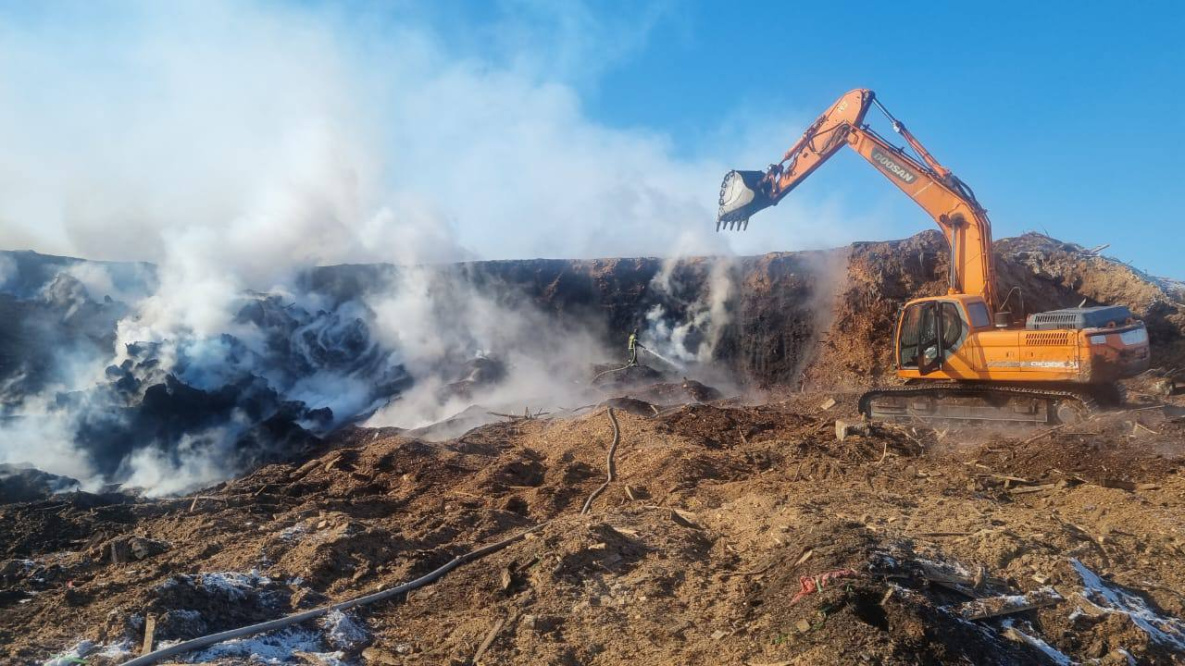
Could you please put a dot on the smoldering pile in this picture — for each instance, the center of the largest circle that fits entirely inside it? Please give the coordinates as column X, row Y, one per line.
column 92, row 390
column 88, row 390
column 264, row 395
column 282, row 375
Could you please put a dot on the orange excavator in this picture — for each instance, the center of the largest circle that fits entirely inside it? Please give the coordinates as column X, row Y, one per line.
column 961, row 355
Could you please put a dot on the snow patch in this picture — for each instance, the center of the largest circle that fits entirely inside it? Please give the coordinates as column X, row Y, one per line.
column 1168, row 631
column 72, row 656
column 233, row 585
column 1055, row 655
column 273, row 648
column 118, row 650
column 293, row 533
column 344, row 632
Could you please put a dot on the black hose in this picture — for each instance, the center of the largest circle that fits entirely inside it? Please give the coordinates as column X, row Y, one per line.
column 609, row 463
column 271, row 625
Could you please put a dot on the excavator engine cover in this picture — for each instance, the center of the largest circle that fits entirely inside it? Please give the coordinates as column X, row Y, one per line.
column 741, row 195
column 1100, row 316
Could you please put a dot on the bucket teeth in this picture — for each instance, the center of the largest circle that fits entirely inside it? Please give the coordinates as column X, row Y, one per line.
column 732, row 221
column 741, row 194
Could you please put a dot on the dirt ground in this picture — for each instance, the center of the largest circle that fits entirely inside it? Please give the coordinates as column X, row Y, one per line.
column 696, row 554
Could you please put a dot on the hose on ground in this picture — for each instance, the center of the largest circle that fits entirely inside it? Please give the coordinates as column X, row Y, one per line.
column 609, row 372
column 271, row 625
column 609, row 464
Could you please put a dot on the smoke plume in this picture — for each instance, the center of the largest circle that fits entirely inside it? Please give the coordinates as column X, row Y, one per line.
column 237, row 147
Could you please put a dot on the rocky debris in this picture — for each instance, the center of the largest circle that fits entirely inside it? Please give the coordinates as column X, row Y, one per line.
column 845, row 429
column 124, row 549
column 700, row 392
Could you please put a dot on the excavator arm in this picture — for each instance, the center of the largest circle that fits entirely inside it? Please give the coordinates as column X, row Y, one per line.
column 932, row 186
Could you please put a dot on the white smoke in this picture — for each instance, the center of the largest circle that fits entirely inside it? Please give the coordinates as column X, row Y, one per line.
column 441, row 322
column 197, row 460
column 40, row 437
column 687, row 322
column 235, row 144
column 8, row 270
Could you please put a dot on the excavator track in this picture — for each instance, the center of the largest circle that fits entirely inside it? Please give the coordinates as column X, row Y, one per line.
column 978, row 402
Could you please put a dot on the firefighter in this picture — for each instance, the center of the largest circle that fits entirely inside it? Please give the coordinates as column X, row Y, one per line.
column 633, row 349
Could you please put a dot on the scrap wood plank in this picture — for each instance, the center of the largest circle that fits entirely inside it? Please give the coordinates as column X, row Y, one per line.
column 964, row 585
column 485, row 645
column 980, row 609
column 1127, row 485
column 964, row 590
column 967, row 585
column 1044, row 433
column 1022, row 490
column 149, row 633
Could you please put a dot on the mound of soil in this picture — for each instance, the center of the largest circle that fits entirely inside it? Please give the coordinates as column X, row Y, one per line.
column 733, row 534
column 25, row 484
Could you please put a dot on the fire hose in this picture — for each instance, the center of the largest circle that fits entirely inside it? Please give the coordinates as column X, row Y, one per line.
column 271, row 625
column 608, row 464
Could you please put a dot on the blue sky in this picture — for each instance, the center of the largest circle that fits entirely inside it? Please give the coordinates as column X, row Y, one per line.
column 310, row 131
column 1064, row 116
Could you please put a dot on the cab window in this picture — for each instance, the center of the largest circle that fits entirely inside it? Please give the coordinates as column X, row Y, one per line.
column 952, row 326
column 978, row 313
column 911, row 327
column 920, row 330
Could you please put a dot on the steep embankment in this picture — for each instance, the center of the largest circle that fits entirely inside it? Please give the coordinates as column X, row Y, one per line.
column 774, row 307
column 349, row 340
column 1046, row 273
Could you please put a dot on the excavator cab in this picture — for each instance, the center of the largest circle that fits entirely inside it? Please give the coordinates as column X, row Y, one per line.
column 742, row 194
column 928, row 332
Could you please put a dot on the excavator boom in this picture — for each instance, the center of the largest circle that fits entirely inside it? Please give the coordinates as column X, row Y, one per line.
column 743, row 193
column 932, row 186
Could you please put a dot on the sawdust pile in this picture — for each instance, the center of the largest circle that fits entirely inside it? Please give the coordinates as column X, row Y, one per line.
column 929, row 547
column 1046, row 273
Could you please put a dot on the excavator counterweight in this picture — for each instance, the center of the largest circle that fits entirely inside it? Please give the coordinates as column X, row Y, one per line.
column 963, row 355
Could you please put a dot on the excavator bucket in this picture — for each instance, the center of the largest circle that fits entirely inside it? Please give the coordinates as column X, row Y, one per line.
column 741, row 195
